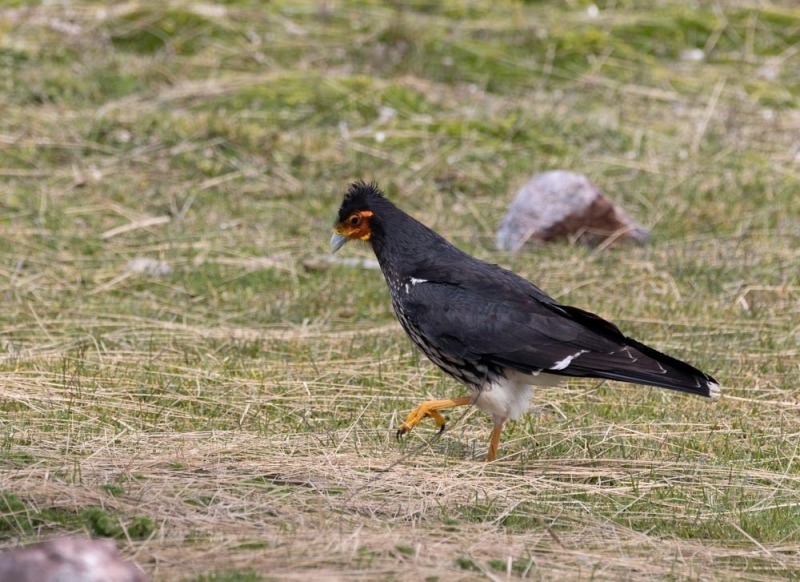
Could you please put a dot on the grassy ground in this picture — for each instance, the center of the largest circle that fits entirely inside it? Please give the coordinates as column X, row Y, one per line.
column 229, row 420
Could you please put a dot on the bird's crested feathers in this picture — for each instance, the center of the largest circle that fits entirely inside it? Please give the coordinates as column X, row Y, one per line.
column 360, row 196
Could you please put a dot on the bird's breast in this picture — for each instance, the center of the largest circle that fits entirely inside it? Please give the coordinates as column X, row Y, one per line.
column 505, row 398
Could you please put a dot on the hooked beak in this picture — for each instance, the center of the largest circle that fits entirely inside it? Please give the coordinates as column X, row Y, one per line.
column 337, row 242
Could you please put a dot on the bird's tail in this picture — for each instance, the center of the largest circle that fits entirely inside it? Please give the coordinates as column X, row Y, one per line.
column 632, row 361
column 642, row 364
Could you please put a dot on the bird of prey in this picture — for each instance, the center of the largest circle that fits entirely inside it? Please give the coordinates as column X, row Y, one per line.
column 489, row 328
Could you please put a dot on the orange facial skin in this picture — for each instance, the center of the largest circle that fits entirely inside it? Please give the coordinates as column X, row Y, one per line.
column 355, row 226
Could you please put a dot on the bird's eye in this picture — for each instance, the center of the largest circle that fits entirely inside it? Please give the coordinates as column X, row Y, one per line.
column 354, row 220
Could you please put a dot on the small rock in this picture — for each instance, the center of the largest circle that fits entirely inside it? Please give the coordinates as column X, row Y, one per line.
column 560, row 205
column 68, row 560
column 151, row 267
column 695, row 54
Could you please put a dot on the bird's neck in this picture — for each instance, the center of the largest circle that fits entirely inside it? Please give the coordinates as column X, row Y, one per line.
column 403, row 245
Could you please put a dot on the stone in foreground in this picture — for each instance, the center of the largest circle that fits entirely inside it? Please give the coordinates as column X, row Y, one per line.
column 560, row 205
column 68, row 560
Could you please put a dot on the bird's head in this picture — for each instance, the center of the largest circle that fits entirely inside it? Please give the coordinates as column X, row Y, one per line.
column 358, row 218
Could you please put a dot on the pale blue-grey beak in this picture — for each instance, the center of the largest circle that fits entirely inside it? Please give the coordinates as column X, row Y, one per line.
column 337, row 242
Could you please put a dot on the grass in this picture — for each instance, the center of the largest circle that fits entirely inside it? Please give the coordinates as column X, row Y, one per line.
column 230, row 420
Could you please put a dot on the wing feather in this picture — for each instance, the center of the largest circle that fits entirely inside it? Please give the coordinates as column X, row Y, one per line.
column 508, row 325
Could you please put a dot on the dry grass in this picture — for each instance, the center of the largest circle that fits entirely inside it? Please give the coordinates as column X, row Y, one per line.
column 234, row 419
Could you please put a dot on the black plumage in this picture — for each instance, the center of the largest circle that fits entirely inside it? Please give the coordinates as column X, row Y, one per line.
column 488, row 327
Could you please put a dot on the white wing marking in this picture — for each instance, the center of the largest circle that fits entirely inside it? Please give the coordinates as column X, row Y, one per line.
column 561, row 364
column 414, row 281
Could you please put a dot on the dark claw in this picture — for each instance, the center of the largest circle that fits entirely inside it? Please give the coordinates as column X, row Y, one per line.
column 441, row 429
column 400, row 432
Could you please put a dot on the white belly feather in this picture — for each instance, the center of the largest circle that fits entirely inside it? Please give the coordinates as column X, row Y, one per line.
column 508, row 398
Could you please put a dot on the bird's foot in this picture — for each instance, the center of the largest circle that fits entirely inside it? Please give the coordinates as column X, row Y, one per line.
column 416, row 417
column 430, row 409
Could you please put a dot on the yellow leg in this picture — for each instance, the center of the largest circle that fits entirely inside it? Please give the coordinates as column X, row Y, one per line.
column 494, row 443
column 431, row 408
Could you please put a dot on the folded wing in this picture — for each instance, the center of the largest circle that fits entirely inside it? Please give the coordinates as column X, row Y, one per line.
column 508, row 325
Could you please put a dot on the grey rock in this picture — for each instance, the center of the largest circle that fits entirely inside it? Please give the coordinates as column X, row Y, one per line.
column 560, row 205
column 68, row 560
